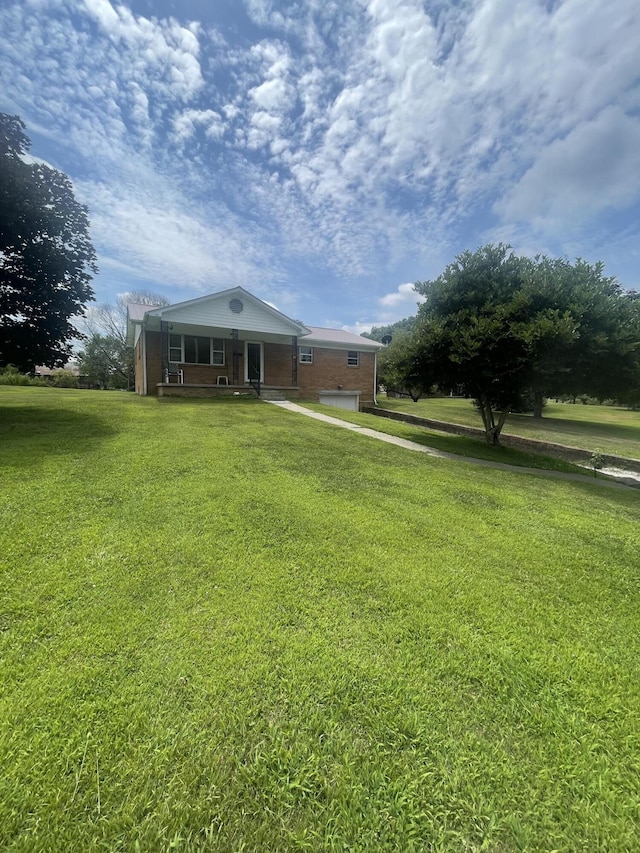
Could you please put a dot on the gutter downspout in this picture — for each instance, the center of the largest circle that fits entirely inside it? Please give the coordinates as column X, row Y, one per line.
column 375, row 378
column 144, row 362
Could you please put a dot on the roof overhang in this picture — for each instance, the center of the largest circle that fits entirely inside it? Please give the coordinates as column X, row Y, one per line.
column 339, row 339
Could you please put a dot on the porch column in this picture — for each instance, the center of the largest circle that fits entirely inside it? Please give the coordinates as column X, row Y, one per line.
column 235, row 358
column 164, row 339
column 294, row 361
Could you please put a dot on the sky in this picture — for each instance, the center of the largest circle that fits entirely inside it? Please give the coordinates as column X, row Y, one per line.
column 326, row 154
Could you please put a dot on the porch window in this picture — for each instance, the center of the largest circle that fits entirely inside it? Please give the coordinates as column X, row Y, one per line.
column 175, row 348
column 353, row 358
column 305, row 355
column 195, row 349
column 217, row 351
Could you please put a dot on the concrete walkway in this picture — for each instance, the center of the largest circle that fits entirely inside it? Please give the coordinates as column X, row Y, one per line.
column 441, row 454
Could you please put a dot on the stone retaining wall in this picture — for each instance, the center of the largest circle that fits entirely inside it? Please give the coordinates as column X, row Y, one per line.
column 570, row 454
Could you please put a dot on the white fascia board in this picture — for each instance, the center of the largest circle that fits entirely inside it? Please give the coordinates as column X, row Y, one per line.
column 133, row 332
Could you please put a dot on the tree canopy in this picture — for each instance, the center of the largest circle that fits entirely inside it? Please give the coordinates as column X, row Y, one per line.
column 105, row 357
column 47, row 259
column 377, row 333
column 496, row 326
column 401, row 368
column 598, row 354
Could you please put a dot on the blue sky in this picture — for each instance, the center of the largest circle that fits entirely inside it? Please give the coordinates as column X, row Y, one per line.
column 324, row 154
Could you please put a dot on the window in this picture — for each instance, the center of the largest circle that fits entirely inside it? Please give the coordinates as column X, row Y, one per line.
column 175, row 348
column 305, row 355
column 217, row 351
column 353, row 358
column 195, row 349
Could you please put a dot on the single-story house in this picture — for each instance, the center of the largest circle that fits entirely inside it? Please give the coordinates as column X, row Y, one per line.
column 231, row 342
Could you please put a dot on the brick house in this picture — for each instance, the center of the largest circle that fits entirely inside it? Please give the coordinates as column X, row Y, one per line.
column 231, row 342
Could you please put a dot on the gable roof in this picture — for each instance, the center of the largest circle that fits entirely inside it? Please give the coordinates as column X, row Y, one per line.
column 252, row 315
column 233, row 308
column 136, row 312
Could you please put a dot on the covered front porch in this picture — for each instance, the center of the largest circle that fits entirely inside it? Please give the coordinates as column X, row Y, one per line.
column 226, row 343
column 225, row 361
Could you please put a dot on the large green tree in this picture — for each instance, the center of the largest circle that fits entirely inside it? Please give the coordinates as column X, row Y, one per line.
column 47, row 259
column 500, row 327
column 479, row 331
column 401, row 367
column 599, row 356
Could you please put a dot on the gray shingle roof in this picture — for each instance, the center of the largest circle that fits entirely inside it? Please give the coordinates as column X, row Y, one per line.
column 338, row 337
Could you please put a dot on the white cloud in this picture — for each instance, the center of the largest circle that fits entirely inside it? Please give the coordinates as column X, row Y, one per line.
column 270, row 95
column 361, row 136
column 594, row 168
column 186, row 123
column 104, row 14
column 404, row 295
column 153, row 229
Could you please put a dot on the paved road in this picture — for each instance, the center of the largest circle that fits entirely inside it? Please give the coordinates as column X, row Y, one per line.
column 430, row 451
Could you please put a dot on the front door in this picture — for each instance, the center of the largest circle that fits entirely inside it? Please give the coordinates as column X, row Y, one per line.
column 253, row 363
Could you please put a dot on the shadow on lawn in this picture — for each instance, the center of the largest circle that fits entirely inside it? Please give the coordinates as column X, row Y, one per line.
column 28, row 434
column 570, row 427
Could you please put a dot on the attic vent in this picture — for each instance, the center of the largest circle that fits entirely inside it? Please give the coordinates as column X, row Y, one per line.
column 236, row 306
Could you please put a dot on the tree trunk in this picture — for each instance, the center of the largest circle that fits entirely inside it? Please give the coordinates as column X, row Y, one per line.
column 492, row 429
column 498, row 427
column 538, row 403
column 493, row 435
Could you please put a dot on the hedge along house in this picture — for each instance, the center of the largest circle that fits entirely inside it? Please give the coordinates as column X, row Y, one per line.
column 232, row 342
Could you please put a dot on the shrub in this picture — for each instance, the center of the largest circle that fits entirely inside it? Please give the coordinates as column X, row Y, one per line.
column 65, row 379
column 10, row 375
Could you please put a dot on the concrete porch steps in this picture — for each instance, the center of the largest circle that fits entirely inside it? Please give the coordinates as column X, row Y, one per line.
column 271, row 395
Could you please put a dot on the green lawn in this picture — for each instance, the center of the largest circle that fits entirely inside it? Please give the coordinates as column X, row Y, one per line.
column 460, row 445
column 227, row 627
column 608, row 429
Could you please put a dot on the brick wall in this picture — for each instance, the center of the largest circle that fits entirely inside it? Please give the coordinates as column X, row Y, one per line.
column 330, row 370
column 154, row 361
column 137, row 366
column 277, row 364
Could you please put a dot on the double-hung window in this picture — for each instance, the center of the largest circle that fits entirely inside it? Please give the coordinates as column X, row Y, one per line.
column 353, row 358
column 305, row 355
column 175, row 348
column 217, row 351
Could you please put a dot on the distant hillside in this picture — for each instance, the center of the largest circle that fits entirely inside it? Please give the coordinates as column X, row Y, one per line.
column 378, row 332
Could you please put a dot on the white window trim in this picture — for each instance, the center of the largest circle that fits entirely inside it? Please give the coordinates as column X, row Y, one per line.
column 181, row 359
column 308, row 360
column 211, row 363
column 212, row 350
column 350, row 356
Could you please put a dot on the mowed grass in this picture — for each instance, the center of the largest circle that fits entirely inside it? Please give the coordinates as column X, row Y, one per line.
column 607, row 429
column 460, row 445
column 228, row 627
